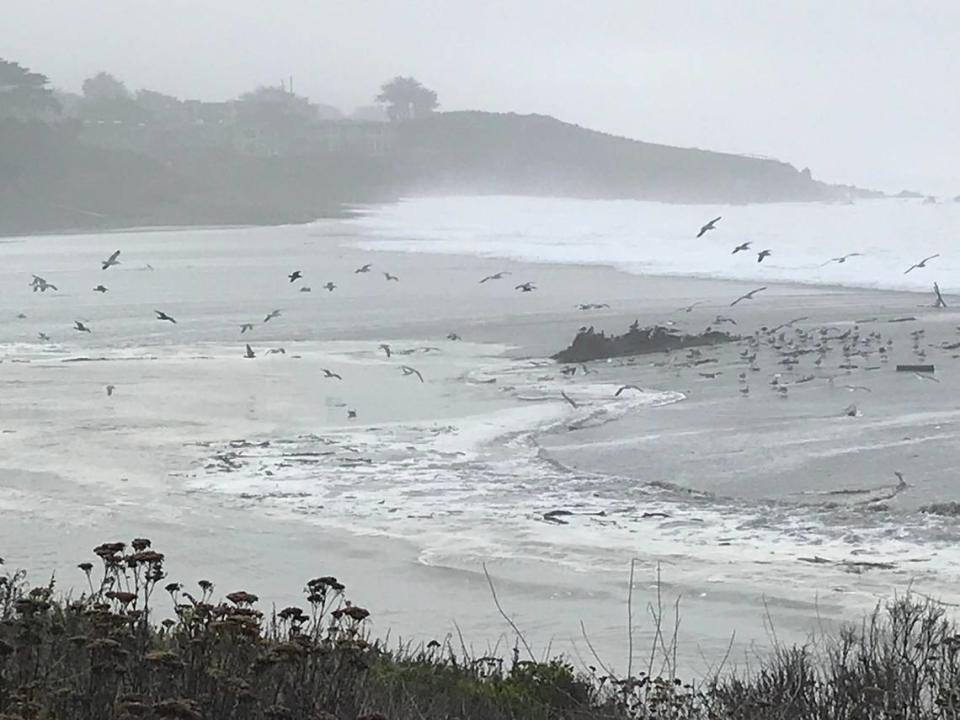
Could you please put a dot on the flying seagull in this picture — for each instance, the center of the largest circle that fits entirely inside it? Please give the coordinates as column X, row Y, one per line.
column 294, row 276
column 386, row 349
column 277, row 351
column 330, row 287
column 842, row 259
column 363, row 269
column 100, row 289
column 249, row 353
column 163, row 316
column 43, row 336
column 245, row 327
column 690, row 307
column 748, row 296
column 712, row 225
column 628, row 387
column 742, row 247
column 110, row 261
column 330, row 374
column 389, row 277
column 407, row 370
column 453, row 336
column 763, row 254
column 306, row 288
column 566, row 397
column 721, row 319
column 80, row 327
column 110, row 389
column 921, row 264
column 526, row 287
column 496, row 276
column 270, row 315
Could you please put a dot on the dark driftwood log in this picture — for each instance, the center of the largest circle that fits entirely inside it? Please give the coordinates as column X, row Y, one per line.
column 941, row 303
column 591, row 345
column 916, row 368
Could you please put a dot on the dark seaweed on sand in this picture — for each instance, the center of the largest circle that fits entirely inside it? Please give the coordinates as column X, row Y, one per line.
column 588, row 344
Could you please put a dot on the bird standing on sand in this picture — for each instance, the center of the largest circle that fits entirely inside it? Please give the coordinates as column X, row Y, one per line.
column 110, row 261
column 742, row 247
column 270, row 315
column 712, row 225
column 921, row 264
column 496, row 276
column 249, row 353
column 329, row 287
column 842, row 259
column 100, row 289
column 526, row 287
column 39, row 283
column 363, row 269
column 748, row 296
column 163, row 316
column 294, row 276
column 110, row 389
column 763, row 254
column 245, row 327
column 80, row 327
column 330, row 374
column 407, row 370
column 388, row 277
column 386, row 349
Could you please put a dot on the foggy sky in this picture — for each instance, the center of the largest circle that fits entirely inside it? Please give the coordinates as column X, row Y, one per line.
column 861, row 91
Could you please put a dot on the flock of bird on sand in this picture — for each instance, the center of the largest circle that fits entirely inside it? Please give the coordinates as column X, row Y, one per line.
column 790, row 342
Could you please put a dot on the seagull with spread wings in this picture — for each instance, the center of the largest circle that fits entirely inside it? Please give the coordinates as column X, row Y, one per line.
column 712, row 225
column 748, row 296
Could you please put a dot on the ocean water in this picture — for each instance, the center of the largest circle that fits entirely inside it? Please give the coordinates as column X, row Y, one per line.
column 660, row 239
column 468, row 464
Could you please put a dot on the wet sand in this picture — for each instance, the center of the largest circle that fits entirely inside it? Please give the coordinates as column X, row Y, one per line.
column 79, row 469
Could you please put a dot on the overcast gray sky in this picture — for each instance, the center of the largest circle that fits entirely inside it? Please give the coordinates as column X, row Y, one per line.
column 861, row 91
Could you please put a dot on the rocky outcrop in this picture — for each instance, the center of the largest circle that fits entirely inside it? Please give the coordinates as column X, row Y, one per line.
column 592, row 345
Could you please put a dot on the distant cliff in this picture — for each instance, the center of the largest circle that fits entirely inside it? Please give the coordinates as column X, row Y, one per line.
column 479, row 152
column 70, row 176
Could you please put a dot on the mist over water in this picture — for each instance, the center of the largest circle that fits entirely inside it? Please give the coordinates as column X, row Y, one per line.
column 659, row 239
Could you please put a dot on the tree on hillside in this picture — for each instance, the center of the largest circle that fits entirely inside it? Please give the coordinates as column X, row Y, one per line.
column 24, row 95
column 104, row 86
column 106, row 99
column 406, row 98
column 273, row 103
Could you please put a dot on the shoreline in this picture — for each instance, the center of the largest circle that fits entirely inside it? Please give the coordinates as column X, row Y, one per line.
column 234, row 541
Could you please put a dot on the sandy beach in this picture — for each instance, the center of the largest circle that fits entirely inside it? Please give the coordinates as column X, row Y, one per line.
column 249, row 472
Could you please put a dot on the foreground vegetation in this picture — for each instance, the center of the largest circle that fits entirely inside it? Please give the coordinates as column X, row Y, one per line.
column 102, row 656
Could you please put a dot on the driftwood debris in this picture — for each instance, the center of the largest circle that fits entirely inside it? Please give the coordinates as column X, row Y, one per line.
column 940, row 303
column 592, row 345
column 916, row 368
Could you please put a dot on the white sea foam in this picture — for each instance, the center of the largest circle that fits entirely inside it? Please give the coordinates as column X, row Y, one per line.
column 633, row 235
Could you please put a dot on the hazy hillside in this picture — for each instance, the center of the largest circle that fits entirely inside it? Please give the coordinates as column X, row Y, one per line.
column 478, row 152
column 55, row 177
